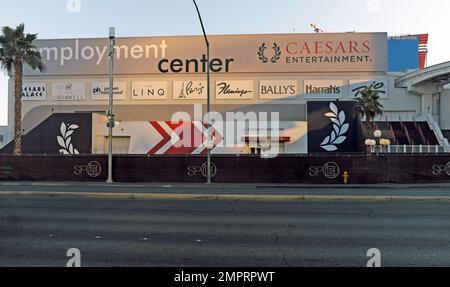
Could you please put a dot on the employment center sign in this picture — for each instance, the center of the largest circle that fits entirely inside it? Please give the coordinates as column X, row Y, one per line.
column 274, row 53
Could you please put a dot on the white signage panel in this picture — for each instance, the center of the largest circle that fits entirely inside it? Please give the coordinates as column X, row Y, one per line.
column 323, row 89
column 234, row 90
column 190, row 90
column 100, row 91
column 34, row 91
column 149, row 90
column 378, row 85
column 264, row 53
column 275, row 90
column 69, row 91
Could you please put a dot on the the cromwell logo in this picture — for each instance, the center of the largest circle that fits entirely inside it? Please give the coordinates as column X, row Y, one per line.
column 262, row 53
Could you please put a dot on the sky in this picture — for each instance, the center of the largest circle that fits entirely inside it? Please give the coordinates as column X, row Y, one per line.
column 91, row 18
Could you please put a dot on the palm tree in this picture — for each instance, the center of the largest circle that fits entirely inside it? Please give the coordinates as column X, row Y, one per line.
column 17, row 49
column 368, row 105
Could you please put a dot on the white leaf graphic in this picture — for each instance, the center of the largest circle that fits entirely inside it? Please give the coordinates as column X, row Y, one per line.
column 68, row 140
column 336, row 121
column 65, row 139
column 334, row 108
column 340, row 128
column 61, row 142
column 336, row 130
column 342, row 117
column 333, row 137
column 340, row 140
column 63, row 129
column 344, row 129
column 325, row 141
column 330, row 148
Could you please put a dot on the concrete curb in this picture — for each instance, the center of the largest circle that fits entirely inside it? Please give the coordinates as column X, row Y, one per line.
column 230, row 197
column 225, row 185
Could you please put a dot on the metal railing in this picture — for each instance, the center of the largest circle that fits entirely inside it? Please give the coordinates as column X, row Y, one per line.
column 416, row 149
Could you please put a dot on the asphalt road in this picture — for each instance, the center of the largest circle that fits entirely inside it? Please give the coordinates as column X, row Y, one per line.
column 38, row 232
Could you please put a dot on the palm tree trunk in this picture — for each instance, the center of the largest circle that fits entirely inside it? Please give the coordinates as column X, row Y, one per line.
column 368, row 127
column 18, row 107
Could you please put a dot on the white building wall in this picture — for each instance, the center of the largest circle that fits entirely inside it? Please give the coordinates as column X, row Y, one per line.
column 444, row 110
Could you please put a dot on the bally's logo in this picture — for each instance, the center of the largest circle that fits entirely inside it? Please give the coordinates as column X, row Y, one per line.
column 340, row 129
column 276, row 55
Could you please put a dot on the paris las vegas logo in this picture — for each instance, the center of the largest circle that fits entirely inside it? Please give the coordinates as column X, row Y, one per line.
column 263, row 54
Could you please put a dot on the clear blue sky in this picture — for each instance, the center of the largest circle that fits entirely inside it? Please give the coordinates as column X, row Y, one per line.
column 51, row 19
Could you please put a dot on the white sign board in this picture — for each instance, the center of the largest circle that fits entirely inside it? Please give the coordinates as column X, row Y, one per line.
column 234, row 90
column 149, row 91
column 323, row 89
column 275, row 90
column 190, row 90
column 69, row 91
column 34, row 91
column 100, row 91
column 378, row 85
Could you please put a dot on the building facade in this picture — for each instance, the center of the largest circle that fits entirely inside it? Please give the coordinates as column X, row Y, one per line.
column 291, row 93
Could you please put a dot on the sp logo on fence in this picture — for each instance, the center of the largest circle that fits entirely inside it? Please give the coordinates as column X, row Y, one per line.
column 203, row 170
column 93, row 169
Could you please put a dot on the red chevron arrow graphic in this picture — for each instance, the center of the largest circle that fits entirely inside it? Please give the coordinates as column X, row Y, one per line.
column 182, row 138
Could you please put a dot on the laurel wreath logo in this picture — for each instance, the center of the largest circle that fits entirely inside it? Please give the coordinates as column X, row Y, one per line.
column 340, row 128
column 262, row 50
column 65, row 139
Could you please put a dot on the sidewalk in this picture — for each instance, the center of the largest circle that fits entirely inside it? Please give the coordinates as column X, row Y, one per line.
column 233, row 192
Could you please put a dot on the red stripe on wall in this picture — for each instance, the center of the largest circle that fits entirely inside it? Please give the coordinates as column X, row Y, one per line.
column 423, row 40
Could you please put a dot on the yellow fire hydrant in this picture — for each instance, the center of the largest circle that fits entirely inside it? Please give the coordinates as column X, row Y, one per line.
column 346, row 177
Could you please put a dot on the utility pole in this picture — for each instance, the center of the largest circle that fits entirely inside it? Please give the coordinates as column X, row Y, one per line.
column 209, row 141
column 111, row 121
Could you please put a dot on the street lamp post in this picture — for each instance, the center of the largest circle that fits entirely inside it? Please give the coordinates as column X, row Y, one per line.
column 377, row 134
column 209, row 144
column 111, row 121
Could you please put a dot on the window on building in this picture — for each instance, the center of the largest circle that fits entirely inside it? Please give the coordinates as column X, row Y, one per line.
column 121, row 145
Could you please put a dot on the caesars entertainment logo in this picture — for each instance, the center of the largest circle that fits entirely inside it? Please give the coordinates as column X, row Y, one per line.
column 316, row 52
column 262, row 53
